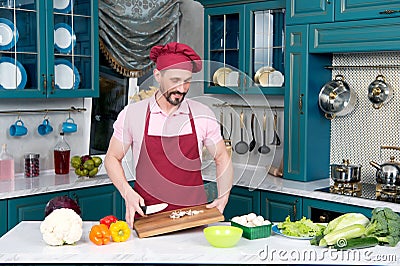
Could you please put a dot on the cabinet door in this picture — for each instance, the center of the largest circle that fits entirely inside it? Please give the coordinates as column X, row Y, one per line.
column 306, row 151
column 265, row 38
column 73, row 50
column 361, row 9
column 3, row 217
column 276, row 207
column 305, row 11
column 242, row 201
column 30, row 208
column 97, row 202
column 224, row 49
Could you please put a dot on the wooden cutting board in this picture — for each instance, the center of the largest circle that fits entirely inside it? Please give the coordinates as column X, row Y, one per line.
column 161, row 223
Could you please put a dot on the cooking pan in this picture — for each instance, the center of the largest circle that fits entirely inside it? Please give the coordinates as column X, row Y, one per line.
column 346, row 172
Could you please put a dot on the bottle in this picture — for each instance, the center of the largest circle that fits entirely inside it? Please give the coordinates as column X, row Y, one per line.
column 6, row 164
column 61, row 156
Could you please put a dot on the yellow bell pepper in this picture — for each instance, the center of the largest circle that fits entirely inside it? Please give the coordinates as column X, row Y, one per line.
column 120, row 231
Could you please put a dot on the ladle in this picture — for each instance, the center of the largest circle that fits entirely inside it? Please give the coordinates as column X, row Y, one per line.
column 264, row 149
column 241, row 147
column 252, row 143
column 276, row 140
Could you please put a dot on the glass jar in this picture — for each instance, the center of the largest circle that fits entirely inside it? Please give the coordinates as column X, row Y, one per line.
column 31, row 164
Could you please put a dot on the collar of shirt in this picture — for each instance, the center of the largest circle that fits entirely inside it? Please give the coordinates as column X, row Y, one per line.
column 155, row 108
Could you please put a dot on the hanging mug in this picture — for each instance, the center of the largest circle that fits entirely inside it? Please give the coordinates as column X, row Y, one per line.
column 45, row 128
column 18, row 129
column 69, row 126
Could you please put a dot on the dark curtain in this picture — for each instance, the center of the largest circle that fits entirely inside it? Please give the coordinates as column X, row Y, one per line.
column 129, row 28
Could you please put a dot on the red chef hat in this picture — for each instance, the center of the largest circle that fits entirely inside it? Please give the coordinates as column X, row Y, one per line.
column 175, row 56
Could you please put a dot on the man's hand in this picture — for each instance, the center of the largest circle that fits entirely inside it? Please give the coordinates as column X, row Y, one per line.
column 219, row 202
column 133, row 201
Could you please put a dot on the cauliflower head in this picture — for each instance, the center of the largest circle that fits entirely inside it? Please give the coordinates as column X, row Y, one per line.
column 62, row 226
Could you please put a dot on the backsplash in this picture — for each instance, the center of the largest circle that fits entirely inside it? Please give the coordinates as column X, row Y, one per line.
column 359, row 135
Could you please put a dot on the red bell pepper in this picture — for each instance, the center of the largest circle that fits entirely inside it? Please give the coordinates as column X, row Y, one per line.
column 108, row 220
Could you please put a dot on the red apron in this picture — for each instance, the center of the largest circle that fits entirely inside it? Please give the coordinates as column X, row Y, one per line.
column 169, row 169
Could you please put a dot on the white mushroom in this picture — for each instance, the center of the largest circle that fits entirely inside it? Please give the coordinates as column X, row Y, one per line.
column 250, row 217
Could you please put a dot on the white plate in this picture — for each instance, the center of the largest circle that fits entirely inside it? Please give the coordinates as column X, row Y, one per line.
column 13, row 74
column 64, row 38
column 7, row 37
column 276, row 79
column 66, row 76
column 62, row 6
column 276, row 230
column 220, row 76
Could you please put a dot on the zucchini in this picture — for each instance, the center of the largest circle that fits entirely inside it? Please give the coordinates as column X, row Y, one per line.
column 359, row 242
column 348, row 232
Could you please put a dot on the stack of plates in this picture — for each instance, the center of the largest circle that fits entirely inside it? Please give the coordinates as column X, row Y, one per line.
column 268, row 77
column 13, row 74
column 224, row 76
column 8, row 34
column 62, row 6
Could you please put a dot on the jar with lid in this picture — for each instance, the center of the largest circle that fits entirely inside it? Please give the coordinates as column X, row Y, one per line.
column 6, row 164
column 31, row 164
column 61, row 156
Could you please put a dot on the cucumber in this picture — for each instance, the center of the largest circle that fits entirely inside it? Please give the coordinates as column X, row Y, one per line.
column 359, row 242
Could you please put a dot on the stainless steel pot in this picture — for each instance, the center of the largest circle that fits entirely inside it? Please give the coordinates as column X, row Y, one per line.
column 346, row 172
column 379, row 92
column 336, row 98
column 388, row 173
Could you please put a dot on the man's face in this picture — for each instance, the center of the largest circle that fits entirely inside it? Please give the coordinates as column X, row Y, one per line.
column 174, row 84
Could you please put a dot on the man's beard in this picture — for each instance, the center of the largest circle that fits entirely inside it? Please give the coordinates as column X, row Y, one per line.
column 168, row 97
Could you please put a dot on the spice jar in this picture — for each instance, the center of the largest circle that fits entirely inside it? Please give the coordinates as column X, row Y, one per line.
column 31, row 164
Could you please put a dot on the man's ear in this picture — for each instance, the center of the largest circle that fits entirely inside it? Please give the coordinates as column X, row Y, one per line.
column 157, row 75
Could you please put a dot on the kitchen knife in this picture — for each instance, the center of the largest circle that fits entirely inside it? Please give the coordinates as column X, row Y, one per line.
column 154, row 208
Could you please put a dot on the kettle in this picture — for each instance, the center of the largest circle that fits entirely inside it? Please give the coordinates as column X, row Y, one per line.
column 388, row 173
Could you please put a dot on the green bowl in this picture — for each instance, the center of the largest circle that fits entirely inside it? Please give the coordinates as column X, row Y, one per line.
column 223, row 236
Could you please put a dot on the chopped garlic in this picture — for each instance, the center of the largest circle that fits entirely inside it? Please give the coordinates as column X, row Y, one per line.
column 178, row 214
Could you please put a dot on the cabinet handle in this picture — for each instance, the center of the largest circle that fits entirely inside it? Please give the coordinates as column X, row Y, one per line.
column 295, row 208
column 389, row 11
column 44, row 83
column 301, row 104
column 53, row 85
column 323, row 219
column 328, row 2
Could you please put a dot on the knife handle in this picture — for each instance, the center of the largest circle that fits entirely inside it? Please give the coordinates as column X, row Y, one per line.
column 144, row 209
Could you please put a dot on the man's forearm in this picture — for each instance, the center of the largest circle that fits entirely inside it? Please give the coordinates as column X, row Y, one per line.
column 224, row 172
column 116, row 174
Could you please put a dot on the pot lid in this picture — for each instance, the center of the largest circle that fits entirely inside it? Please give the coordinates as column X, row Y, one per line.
column 346, row 163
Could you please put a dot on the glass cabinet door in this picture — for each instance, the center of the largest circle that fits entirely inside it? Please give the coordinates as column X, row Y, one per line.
column 268, row 48
column 19, row 48
column 72, row 48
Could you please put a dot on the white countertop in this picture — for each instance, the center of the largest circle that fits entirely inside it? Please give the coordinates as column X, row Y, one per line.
column 24, row 244
column 251, row 177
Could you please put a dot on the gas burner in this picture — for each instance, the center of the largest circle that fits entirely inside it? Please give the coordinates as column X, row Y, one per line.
column 388, row 193
column 346, row 188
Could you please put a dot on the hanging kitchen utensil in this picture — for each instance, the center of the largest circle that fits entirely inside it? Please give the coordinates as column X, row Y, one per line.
column 264, row 149
column 221, row 123
column 388, row 173
column 252, row 144
column 379, row 92
column 346, row 172
column 241, row 147
column 276, row 140
column 336, row 98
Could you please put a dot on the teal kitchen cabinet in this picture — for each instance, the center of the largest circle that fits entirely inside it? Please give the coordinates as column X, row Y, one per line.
column 315, row 210
column 95, row 203
column 276, row 206
column 307, row 139
column 322, row 11
column 52, row 51
column 30, row 208
column 3, row 217
column 242, row 201
column 239, row 40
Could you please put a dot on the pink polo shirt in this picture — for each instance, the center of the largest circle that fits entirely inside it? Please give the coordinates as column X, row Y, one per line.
column 129, row 126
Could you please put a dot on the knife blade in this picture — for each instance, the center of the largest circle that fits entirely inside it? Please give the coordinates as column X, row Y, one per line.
column 154, row 208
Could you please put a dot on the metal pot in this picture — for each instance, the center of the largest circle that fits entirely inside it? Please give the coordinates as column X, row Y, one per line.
column 388, row 173
column 336, row 98
column 346, row 172
column 379, row 92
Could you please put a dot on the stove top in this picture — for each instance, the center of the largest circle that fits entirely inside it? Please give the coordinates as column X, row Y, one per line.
column 363, row 190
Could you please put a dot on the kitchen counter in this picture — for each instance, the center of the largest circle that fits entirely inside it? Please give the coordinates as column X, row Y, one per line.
column 24, row 244
column 251, row 177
